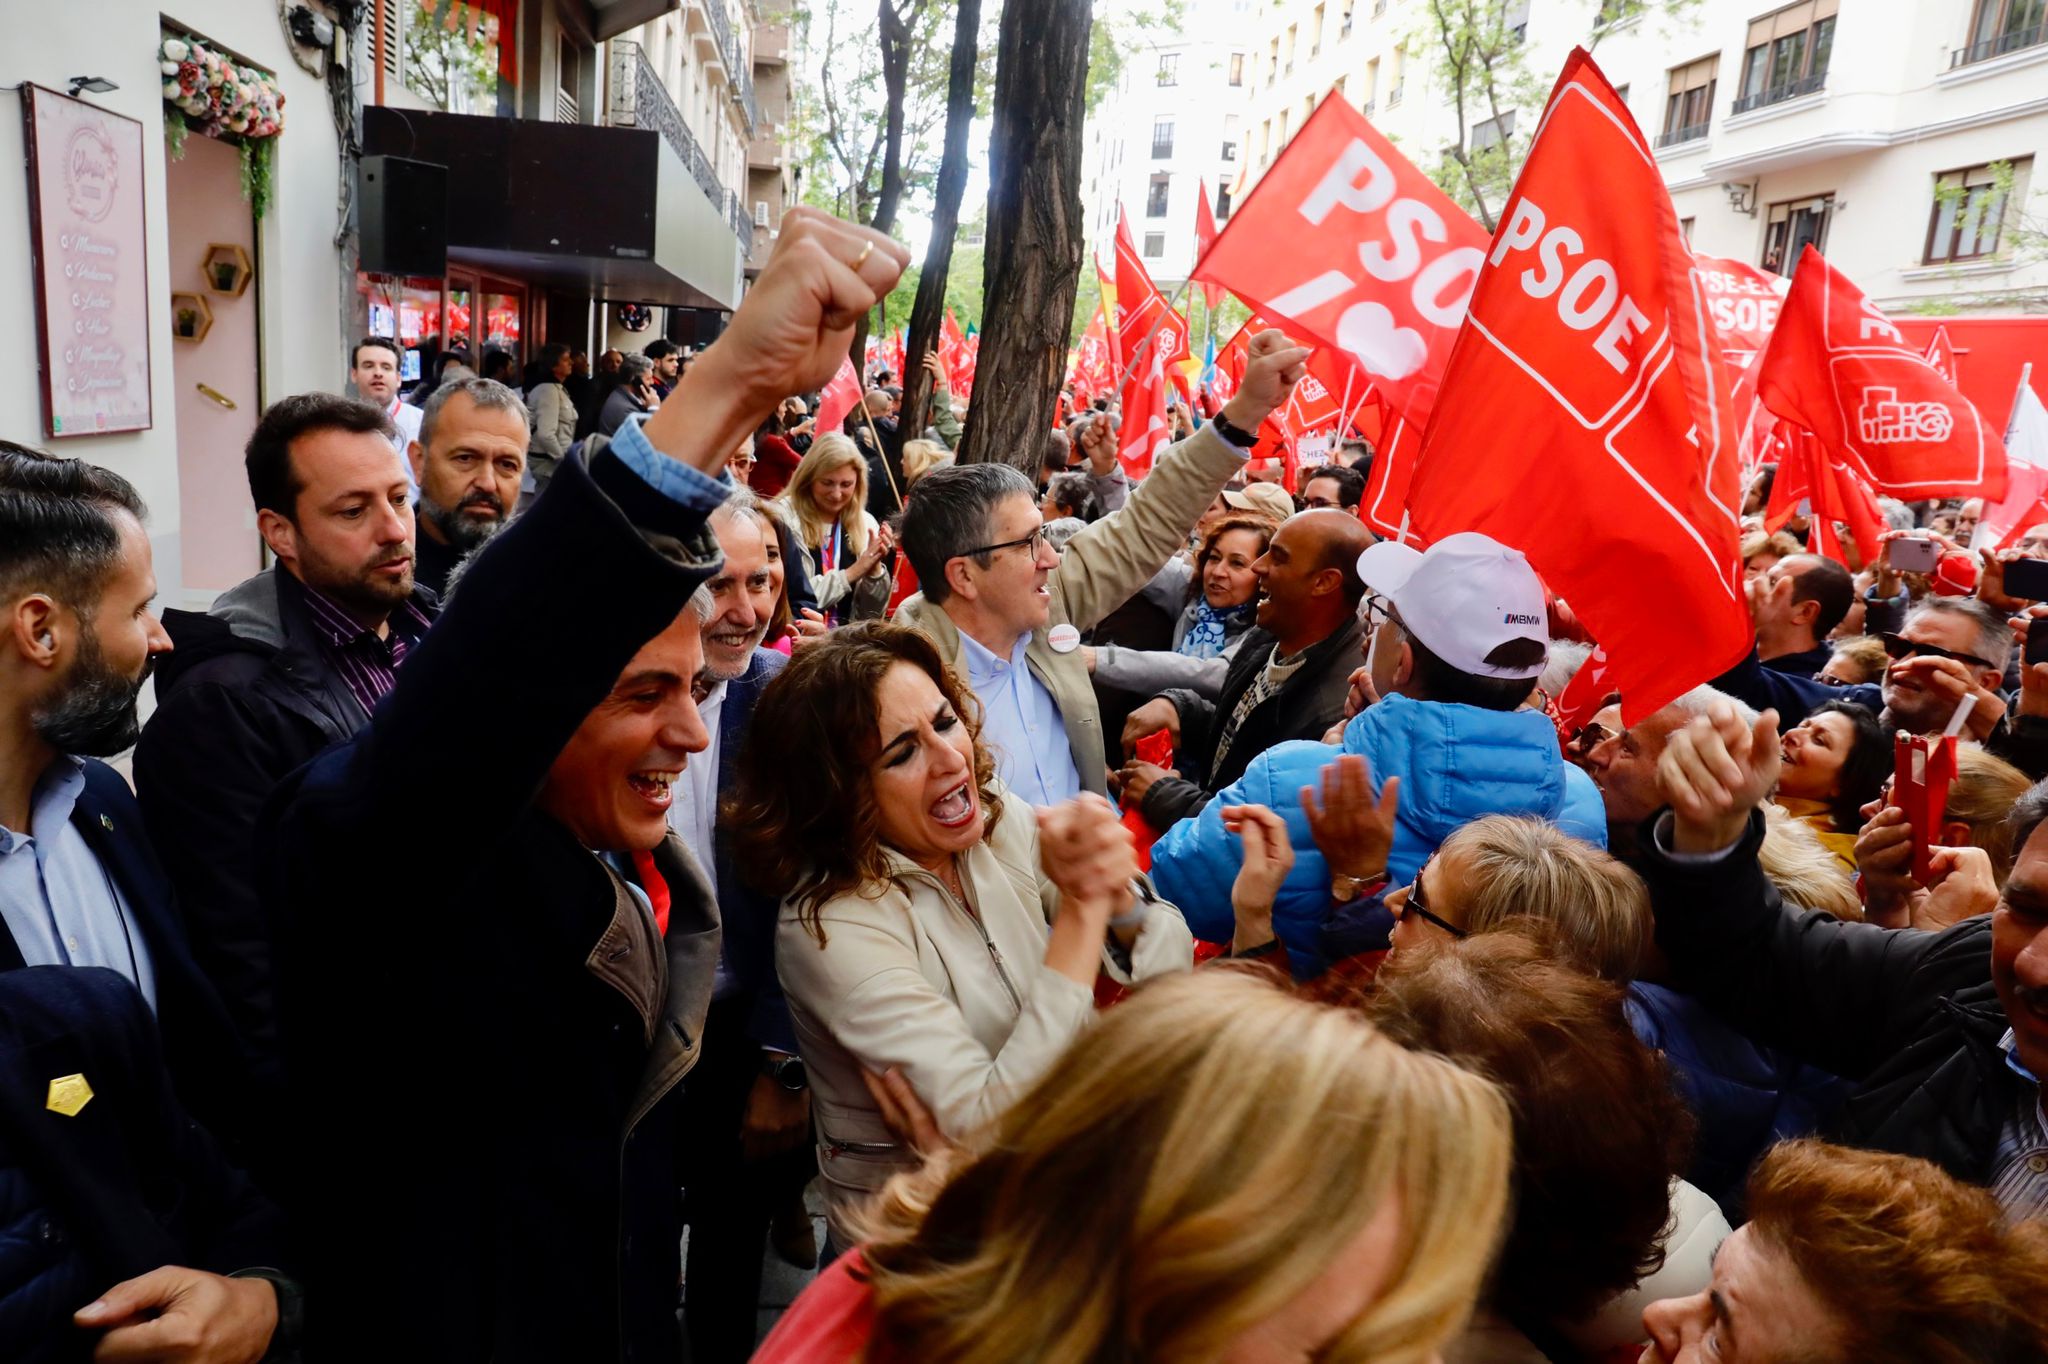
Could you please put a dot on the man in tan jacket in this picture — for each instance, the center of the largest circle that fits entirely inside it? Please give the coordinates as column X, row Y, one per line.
column 1007, row 610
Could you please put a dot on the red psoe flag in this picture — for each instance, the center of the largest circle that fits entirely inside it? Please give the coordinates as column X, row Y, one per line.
column 1144, row 432
column 1345, row 242
column 1385, row 505
column 1585, row 414
column 838, row 398
column 1941, row 353
column 1839, row 368
column 1205, row 237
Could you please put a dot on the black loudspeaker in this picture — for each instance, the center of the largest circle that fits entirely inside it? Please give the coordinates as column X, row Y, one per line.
column 404, row 216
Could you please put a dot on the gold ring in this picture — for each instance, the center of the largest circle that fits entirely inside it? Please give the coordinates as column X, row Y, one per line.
column 862, row 258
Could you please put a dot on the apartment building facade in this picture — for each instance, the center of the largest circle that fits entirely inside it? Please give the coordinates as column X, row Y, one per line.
column 1899, row 139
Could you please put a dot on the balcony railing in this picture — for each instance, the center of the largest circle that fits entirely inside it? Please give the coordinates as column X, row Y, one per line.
column 2012, row 41
column 639, row 100
column 1778, row 94
column 1393, row 97
column 1674, row 136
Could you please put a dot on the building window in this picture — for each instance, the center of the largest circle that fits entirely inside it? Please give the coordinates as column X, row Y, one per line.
column 1685, row 229
column 1315, row 33
column 1400, row 65
column 1155, row 196
column 1293, row 37
column 1222, row 202
column 1621, row 93
column 1344, row 25
column 1793, row 226
column 1169, row 68
column 1614, row 11
column 1493, row 132
column 1162, row 138
column 2002, row 26
column 1969, row 209
column 452, row 66
column 1237, row 68
column 568, row 62
column 1282, row 130
column 1155, row 245
column 1787, row 54
column 1689, row 105
column 1230, row 151
column 1514, row 20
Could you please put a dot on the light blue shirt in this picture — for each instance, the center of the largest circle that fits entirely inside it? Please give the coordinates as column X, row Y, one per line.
column 59, row 902
column 1021, row 725
column 673, row 479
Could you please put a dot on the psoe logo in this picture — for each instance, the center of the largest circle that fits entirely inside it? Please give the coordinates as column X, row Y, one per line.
column 1884, row 420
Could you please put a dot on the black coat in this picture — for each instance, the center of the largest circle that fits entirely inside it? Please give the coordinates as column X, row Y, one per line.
column 244, row 699
column 124, row 1185
column 1909, row 1019
column 748, row 917
column 1305, row 707
column 483, row 1060
column 208, row 1064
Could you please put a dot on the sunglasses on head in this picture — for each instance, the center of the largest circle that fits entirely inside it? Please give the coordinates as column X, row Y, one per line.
column 1898, row 648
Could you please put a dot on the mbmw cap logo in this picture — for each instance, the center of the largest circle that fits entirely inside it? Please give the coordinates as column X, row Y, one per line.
column 1518, row 618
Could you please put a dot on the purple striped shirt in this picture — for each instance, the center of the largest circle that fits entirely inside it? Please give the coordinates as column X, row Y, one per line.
column 368, row 664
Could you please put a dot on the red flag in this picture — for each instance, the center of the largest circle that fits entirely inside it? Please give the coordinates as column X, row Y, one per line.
column 1094, row 367
column 1744, row 303
column 1205, row 237
column 1941, row 353
column 1385, row 505
column 1585, row 695
column 1839, row 368
column 1832, row 492
column 1345, row 241
column 838, row 398
column 1587, row 390
column 1144, row 432
column 1139, row 304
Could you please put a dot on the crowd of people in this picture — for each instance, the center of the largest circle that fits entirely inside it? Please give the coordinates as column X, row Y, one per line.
column 1153, row 918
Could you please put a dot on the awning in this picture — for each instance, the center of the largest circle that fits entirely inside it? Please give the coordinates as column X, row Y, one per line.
column 609, row 212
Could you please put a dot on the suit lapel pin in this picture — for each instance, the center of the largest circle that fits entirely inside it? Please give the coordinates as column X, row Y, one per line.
column 69, row 1094
column 107, row 823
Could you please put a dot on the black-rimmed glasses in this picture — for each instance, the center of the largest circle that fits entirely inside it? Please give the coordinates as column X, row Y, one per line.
column 1413, row 904
column 1030, row 543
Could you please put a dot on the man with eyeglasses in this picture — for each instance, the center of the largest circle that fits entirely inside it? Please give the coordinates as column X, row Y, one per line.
column 1007, row 611
column 1949, row 648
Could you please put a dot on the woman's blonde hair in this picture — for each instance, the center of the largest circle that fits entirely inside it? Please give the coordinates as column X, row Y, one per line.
column 920, row 457
column 1189, row 1167
column 1806, row 873
column 828, row 454
column 1983, row 793
column 1520, row 869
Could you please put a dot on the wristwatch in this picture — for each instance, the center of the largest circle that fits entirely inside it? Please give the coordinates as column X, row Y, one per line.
column 1236, row 435
column 787, row 1071
column 1142, row 900
column 1344, row 889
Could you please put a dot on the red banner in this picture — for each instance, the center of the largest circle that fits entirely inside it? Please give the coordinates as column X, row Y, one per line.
column 1744, row 303
column 1205, row 237
column 1344, row 241
column 838, row 398
column 1385, row 506
column 1588, row 390
column 1145, row 432
column 1941, row 353
column 1839, row 368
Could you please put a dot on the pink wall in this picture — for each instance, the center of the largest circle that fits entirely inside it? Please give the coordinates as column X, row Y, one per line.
column 217, row 530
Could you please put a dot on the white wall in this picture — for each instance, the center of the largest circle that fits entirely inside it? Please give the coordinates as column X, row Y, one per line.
column 299, row 267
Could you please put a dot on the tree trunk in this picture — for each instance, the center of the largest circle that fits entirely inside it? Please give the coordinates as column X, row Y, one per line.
column 929, row 307
column 895, row 33
column 1035, row 230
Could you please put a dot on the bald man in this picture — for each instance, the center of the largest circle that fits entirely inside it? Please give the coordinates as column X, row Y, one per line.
column 1287, row 679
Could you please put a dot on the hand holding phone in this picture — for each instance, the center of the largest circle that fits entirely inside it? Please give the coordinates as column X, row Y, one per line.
column 1913, row 554
column 2027, row 579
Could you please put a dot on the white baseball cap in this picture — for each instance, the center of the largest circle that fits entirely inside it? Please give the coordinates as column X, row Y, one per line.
column 1464, row 597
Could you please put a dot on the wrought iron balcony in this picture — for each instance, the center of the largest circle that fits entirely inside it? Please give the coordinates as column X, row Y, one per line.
column 640, row 100
column 2011, row 41
column 1778, row 94
column 1672, row 137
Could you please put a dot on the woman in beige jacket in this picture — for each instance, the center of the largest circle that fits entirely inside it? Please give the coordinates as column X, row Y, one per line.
column 929, row 925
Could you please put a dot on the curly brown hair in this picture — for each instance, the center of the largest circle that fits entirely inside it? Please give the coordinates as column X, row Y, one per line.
column 1261, row 526
column 802, row 817
column 1599, row 1130
column 1960, row 1285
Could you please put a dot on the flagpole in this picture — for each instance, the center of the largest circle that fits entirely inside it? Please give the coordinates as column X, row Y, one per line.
column 1146, row 344
column 881, row 450
column 2018, row 395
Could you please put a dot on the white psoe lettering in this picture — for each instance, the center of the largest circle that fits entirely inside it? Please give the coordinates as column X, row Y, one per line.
column 1587, row 295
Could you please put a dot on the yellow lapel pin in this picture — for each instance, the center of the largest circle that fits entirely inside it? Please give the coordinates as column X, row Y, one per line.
column 68, row 1095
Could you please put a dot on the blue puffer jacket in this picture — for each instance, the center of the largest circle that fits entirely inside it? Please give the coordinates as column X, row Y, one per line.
column 1456, row 763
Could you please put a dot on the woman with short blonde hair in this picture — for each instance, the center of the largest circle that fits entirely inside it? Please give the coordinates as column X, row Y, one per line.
column 827, row 496
column 1178, row 1187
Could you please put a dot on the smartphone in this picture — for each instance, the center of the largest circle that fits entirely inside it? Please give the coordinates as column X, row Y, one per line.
column 2027, row 579
column 1914, row 554
column 2037, row 642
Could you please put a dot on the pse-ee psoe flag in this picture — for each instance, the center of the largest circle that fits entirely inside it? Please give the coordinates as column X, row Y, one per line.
column 1838, row 367
column 1585, row 415
column 1344, row 242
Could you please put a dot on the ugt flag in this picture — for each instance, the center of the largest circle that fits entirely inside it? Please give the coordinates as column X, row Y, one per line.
column 1838, row 367
column 1585, row 416
column 1346, row 242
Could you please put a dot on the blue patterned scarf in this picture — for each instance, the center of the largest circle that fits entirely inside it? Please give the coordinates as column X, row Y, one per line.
column 1210, row 633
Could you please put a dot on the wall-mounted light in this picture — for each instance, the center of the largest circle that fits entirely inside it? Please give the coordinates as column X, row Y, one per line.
column 98, row 85
column 1741, row 198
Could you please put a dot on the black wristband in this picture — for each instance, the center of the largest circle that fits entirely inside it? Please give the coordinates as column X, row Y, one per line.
column 291, row 1314
column 1236, row 435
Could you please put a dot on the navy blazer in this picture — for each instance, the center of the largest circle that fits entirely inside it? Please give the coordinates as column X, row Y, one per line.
column 120, row 1186
column 208, row 1064
column 749, row 916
